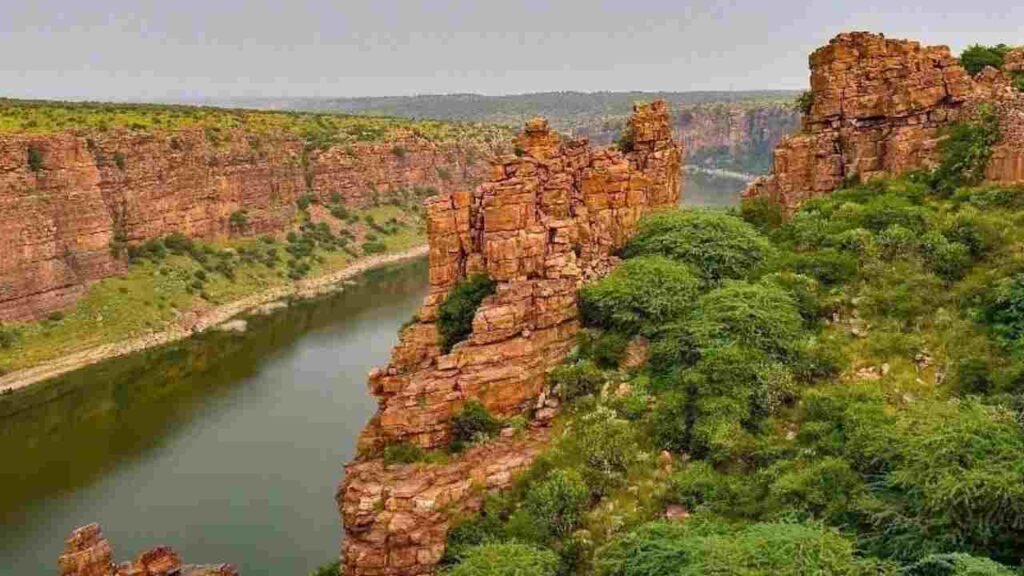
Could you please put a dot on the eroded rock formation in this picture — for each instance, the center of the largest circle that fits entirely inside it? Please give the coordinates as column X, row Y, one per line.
column 542, row 224
column 88, row 553
column 737, row 136
column 58, row 220
column 878, row 107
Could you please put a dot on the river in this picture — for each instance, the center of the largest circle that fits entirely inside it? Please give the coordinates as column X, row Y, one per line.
column 227, row 447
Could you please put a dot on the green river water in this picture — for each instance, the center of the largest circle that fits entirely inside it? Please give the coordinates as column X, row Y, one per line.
column 227, row 447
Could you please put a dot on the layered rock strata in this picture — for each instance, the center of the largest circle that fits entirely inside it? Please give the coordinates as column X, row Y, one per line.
column 66, row 197
column 88, row 553
column 878, row 108
column 543, row 223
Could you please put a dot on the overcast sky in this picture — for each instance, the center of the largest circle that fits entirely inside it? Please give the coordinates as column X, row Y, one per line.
column 181, row 49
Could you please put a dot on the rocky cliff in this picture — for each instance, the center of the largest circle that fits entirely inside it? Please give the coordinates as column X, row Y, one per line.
column 88, row 553
column 542, row 224
column 735, row 136
column 878, row 107
column 66, row 197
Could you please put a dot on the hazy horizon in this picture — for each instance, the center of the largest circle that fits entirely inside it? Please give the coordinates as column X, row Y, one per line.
column 195, row 51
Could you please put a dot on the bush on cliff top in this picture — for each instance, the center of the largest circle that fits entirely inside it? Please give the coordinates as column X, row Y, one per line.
column 976, row 57
column 640, row 295
column 716, row 245
column 455, row 315
column 505, row 559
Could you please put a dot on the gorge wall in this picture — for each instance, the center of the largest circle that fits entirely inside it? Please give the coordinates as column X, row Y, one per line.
column 542, row 224
column 66, row 197
column 735, row 136
column 878, row 107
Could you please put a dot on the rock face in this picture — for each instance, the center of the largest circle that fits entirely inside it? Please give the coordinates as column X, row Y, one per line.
column 736, row 136
column 87, row 553
column 543, row 223
column 877, row 109
column 59, row 219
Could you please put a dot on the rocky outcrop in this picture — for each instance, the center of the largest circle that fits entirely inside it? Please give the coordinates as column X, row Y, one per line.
column 66, row 198
column 735, row 136
column 88, row 553
column 878, row 107
column 543, row 223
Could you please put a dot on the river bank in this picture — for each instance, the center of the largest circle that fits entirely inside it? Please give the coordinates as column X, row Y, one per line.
column 199, row 320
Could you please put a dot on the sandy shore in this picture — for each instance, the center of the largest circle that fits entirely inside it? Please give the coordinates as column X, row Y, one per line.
column 200, row 321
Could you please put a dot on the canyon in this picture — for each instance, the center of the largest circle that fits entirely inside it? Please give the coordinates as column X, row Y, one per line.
column 68, row 198
column 879, row 107
column 544, row 222
column 733, row 136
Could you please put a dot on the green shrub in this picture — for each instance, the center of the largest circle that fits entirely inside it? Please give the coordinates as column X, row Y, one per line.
column 470, row 533
column 976, row 57
column 239, row 220
column 605, row 446
column 829, row 266
column 697, row 548
column 956, row 565
column 403, row 453
column 9, row 336
column 119, row 160
column 474, row 423
column 758, row 316
column 329, row 569
column 965, row 152
column 606, row 349
column 639, row 295
column 559, row 502
column 1003, row 308
column 763, row 213
column 626, row 142
column 371, row 248
column 505, row 559
column 179, row 244
column 715, row 244
column 804, row 102
column 572, row 381
column 455, row 314
column 35, row 159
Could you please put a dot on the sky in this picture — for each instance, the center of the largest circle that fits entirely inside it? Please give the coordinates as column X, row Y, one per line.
column 207, row 49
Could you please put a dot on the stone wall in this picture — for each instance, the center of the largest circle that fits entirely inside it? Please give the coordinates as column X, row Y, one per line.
column 878, row 107
column 543, row 223
column 57, row 223
column 88, row 553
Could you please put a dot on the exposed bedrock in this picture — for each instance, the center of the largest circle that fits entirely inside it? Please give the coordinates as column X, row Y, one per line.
column 878, row 107
column 543, row 223
column 88, row 553
column 58, row 220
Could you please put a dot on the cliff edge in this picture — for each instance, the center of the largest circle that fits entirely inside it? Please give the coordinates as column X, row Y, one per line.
column 877, row 107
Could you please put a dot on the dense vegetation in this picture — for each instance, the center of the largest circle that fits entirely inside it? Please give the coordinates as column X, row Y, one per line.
column 841, row 393
column 318, row 129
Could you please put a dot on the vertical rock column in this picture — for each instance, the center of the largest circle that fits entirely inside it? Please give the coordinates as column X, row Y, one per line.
column 548, row 218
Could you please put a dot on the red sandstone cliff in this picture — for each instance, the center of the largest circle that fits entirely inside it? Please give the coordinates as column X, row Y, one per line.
column 57, row 222
column 541, row 225
column 878, row 107
column 738, row 135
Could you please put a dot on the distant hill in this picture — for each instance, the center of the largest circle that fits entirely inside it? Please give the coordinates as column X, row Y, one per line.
column 565, row 110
